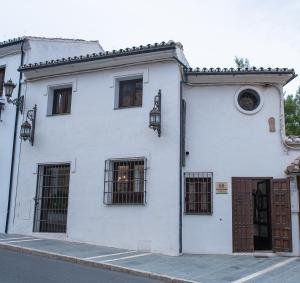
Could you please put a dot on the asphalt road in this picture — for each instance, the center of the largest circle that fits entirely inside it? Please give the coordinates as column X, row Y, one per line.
column 23, row 268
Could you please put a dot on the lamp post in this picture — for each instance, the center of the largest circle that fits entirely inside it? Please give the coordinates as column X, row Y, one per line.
column 9, row 87
column 155, row 114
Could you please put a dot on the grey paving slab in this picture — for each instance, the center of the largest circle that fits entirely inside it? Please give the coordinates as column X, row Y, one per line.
column 68, row 248
column 289, row 273
column 203, row 268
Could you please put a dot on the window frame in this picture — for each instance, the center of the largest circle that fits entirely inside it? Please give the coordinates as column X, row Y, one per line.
column 187, row 203
column 252, row 89
column 119, row 82
column 113, row 190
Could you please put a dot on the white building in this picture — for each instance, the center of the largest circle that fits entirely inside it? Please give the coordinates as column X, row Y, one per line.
column 210, row 179
column 14, row 53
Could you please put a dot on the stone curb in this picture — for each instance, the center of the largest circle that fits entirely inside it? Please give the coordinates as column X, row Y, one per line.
column 107, row 266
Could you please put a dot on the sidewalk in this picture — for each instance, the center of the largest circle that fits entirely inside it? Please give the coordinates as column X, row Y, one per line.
column 185, row 268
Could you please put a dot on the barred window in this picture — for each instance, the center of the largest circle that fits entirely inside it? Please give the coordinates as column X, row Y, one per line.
column 125, row 181
column 51, row 201
column 198, row 192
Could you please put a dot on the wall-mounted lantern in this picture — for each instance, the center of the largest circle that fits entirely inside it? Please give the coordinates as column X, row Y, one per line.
column 27, row 129
column 155, row 114
column 1, row 108
column 9, row 87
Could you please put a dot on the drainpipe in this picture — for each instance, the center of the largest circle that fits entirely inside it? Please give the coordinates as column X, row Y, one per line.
column 14, row 144
column 180, row 172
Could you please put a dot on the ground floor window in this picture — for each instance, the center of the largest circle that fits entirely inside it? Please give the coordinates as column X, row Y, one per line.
column 51, row 201
column 125, row 181
column 198, row 192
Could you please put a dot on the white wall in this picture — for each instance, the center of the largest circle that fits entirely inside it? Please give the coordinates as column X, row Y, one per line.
column 222, row 140
column 11, row 63
column 94, row 132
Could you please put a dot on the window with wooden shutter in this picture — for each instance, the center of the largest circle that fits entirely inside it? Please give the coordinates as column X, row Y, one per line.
column 62, row 101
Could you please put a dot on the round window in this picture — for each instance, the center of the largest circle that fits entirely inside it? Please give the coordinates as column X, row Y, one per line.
column 248, row 99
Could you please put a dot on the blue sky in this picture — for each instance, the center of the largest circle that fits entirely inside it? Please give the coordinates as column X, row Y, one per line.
column 212, row 32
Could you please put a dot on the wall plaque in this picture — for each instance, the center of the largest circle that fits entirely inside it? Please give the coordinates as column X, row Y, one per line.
column 221, row 187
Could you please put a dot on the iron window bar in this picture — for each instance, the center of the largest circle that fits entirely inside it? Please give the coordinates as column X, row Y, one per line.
column 198, row 193
column 51, row 201
column 125, row 181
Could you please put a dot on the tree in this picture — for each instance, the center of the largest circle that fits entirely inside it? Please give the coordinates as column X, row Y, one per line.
column 242, row 62
column 292, row 114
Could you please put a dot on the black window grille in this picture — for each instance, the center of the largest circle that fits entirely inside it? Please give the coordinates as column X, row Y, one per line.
column 62, row 101
column 125, row 181
column 51, row 201
column 198, row 192
column 130, row 93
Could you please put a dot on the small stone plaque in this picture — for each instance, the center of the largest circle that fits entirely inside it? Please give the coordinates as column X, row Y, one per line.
column 221, row 187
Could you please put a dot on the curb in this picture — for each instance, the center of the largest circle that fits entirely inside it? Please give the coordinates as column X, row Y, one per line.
column 90, row 263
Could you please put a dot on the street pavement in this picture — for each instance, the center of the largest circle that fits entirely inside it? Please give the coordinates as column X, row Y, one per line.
column 237, row 268
column 24, row 268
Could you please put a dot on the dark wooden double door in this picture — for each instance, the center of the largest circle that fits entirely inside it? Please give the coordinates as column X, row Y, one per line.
column 261, row 214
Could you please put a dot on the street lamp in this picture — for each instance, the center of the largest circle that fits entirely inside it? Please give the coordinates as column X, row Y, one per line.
column 9, row 87
column 155, row 114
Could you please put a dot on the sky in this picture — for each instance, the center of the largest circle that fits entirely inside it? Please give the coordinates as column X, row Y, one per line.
column 212, row 32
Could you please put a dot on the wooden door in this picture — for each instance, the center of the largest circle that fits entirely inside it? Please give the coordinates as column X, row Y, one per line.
column 281, row 216
column 242, row 214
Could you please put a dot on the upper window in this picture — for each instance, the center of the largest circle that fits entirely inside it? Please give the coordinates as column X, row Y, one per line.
column 62, row 101
column 124, row 181
column 130, row 93
column 248, row 99
column 198, row 193
column 2, row 72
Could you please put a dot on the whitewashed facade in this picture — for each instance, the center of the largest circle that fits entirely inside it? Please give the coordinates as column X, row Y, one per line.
column 14, row 53
column 216, row 140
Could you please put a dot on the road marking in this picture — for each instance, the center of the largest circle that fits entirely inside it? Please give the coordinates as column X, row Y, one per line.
column 126, row 257
column 20, row 238
column 106, row 255
column 266, row 270
column 27, row 240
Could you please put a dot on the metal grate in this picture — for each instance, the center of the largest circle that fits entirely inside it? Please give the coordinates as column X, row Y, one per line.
column 51, row 201
column 198, row 192
column 125, row 181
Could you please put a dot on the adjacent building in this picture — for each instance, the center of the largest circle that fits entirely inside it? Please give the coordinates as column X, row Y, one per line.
column 14, row 53
column 134, row 149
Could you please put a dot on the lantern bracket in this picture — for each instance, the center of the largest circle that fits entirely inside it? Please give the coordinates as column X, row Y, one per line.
column 155, row 114
column 18, row 102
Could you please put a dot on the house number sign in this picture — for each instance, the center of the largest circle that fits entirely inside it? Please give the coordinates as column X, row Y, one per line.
column 221, row 187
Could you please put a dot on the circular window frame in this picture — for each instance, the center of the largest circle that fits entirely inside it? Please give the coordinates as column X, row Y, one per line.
column 257, row 109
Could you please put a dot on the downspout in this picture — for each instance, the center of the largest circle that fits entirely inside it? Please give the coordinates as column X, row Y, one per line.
column 14, row 144
column 180, row 170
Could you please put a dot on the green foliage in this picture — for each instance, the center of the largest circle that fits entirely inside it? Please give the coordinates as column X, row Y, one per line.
column 292, row 114
column 242, row 62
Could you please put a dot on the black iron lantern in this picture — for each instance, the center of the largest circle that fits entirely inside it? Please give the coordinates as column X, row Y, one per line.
column 27, row 129
column 1, row 108
column 155, row 114
column 9, row 87
column 25, row 132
